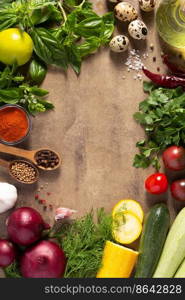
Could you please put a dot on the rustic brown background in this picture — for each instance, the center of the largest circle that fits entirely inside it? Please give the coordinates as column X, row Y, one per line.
column 92, row 127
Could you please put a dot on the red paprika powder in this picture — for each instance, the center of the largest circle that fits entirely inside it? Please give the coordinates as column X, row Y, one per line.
column 14, row 124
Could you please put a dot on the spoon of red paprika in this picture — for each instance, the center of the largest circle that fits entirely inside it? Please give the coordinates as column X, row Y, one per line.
column 43, row 158
column 21, row 170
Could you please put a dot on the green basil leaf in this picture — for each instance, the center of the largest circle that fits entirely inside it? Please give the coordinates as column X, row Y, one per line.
column 7, row 19
column 89, row 27
column 74, row 58
column 11, row 95
column 37, row 71
column 38, row 91
column 48, row 48
column 73, row 3
column 89, row 46
column 46, row 13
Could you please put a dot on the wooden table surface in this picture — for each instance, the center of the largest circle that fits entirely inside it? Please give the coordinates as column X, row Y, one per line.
column 92, row 127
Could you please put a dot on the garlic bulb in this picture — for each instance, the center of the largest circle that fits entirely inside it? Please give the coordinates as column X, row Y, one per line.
column 8, row 196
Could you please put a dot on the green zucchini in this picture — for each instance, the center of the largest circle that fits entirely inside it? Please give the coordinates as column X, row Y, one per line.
column 174, row 249
column 154, row 233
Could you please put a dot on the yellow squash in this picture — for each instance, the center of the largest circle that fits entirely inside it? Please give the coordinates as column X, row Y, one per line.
column 117, row 262
column 128, row 205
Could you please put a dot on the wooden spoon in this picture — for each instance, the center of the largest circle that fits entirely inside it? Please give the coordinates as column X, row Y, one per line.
column 9, row 164
column 30, row 155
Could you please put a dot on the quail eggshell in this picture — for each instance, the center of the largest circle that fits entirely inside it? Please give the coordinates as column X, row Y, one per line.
column 138, row 30
column 147, row 5
column 119, row 43
column 125, row 11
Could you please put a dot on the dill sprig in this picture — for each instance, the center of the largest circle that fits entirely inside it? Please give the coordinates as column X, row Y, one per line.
column 83, row 242
column 12, row 271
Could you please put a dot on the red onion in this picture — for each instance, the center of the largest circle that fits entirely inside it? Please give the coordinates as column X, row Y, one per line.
column 25, row 226
column 44, row 260
column 7, row 253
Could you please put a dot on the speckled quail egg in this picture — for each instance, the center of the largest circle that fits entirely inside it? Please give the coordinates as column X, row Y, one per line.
column 119, row 43
column 125, row 11
column 138, row 30
column 147, row 5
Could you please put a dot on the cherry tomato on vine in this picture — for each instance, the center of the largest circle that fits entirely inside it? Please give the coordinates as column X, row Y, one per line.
column 174, row 158
column 156, row 183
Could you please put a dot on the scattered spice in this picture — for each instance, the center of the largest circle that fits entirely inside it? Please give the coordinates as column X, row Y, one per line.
column 154, row 59
column 42, row 201
column 134, row 63
column 51, row 206
column 152, row 47
column 14, row 124
column 23, row 171
column 47, row 159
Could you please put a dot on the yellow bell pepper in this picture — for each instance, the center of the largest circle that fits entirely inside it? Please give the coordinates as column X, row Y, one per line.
column 117, row 262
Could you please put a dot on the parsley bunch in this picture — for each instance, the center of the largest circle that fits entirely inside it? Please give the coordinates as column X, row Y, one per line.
column 162, row 115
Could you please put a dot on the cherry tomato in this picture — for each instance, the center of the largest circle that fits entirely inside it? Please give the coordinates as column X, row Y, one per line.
column 178, row 189
column 174, row 158
column 156, row 183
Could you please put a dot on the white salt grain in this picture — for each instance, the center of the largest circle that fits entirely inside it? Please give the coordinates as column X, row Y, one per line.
column 134, row 63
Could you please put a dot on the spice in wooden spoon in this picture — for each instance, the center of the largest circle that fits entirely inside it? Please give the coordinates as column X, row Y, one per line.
column 23, row 171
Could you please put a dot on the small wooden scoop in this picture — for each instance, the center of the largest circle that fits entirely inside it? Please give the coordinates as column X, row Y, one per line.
column 9, row 165
column 30, row 155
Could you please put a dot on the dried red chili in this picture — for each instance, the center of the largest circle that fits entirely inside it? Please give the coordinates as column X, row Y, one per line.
column 165, row 80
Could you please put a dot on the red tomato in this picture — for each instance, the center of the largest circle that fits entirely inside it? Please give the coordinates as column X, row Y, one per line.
column 156, row 183
column 178, row 189
column 174, row 158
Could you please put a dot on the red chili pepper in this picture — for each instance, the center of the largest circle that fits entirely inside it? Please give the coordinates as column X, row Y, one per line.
column 173, row 68
column 165, row 80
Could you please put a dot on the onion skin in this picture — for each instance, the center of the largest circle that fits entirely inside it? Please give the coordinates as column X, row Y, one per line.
column 43, row 260
column 7, row 253
column 25, row 226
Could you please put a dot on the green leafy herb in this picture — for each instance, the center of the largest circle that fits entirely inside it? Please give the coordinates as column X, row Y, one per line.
column 162, row 116
column 83, row 242
column 15, row 90
column 63, row 32
column 12, row 271
column 37, row 71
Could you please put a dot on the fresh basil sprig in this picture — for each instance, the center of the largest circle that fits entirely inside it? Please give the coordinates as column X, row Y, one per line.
column 63, row 31
column 15, row 90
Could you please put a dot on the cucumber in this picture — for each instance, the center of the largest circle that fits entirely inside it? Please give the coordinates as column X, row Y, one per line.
column 174, row 249
column 154, row 233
